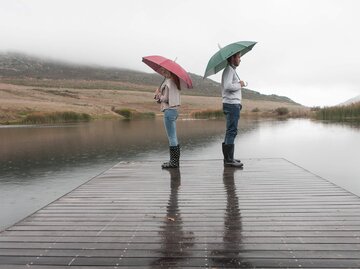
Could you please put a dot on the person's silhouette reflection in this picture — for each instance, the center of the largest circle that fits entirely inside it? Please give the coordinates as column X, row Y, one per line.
column 174, row 241
column 230, row 254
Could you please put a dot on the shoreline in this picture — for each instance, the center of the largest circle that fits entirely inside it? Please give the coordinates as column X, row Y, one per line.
column 184, row 117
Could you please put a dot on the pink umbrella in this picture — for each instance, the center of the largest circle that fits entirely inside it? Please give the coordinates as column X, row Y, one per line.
column 156, row 62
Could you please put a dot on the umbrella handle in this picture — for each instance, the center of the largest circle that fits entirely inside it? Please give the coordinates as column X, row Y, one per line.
column 240, row 79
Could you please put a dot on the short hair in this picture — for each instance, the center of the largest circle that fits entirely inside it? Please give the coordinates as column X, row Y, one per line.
column 229, row 59
column 176, row 80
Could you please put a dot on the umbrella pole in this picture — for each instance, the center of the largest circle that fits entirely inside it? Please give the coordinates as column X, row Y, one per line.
column 237, row 76
column 162, row 83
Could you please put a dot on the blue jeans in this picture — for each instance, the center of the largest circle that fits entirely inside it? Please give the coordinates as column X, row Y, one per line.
column 232, row 113
column 170, row 116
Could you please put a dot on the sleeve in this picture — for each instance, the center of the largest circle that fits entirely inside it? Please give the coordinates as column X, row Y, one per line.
column 228, row 82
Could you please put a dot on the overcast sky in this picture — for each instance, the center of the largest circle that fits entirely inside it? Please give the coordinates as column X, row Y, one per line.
column 308, row 50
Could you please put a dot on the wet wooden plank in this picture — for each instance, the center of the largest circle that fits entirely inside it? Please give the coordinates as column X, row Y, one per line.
column 88, row 230
column 270, row 214
column 245, row 253
column 198, row 247
column 276, row 239
column 211, row 261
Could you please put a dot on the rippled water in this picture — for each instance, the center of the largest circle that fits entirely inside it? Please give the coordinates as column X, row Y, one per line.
column 38, row 164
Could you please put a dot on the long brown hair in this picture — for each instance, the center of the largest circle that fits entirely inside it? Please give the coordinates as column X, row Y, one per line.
column 176, row 79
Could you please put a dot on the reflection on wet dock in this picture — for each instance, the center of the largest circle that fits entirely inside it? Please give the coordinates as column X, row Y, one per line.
column 270, row 214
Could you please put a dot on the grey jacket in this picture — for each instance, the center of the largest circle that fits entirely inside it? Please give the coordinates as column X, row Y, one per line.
column 170, row 95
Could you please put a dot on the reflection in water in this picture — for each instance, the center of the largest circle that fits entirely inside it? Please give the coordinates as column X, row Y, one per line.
column 174, row 240
column 230, row 254
column 344, row 124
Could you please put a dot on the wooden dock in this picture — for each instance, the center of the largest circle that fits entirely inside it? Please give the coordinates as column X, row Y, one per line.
column 271, row 214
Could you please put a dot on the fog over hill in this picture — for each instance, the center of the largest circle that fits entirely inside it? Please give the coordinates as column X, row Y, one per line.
column 21, row 66
column 353, row 100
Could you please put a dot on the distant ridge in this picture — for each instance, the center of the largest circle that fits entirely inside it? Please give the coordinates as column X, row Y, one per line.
column 18, row 65
column 355, row 99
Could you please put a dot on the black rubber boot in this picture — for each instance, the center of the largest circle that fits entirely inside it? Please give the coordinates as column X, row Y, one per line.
column 228, row 152
column 232, row 154
column 174, row 158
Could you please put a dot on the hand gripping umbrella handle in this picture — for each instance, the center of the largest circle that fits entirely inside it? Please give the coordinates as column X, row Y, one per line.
column 155, row 97
column 240, row 80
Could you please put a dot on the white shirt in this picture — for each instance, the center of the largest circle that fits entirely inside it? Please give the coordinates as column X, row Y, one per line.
column 230, row 85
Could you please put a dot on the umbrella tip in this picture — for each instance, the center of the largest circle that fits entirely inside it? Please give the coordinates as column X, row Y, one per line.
column 219, row 46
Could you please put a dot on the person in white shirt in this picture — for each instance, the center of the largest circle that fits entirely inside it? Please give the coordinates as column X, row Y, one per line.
column 168, row 95
column 231, row 94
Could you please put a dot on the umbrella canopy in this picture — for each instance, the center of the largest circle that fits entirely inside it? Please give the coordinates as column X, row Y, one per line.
column 219, row 60
column 156, row 62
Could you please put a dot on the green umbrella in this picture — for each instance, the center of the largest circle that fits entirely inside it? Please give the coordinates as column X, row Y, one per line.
column 219, row 60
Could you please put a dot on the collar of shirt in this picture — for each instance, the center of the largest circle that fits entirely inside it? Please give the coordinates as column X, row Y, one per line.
column 233, row 66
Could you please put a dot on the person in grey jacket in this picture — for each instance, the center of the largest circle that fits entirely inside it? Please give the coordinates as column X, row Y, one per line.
column 231, row 94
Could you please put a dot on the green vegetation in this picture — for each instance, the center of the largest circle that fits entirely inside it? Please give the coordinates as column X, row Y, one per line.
column 340, row 113
column 207, row 114
column 130, row 114
column 315, row 108
column 55, row 117
column 64, row 93
column 255, row 110
column 282, row 111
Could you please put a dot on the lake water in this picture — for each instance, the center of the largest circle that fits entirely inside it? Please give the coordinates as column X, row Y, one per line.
column 38, row 164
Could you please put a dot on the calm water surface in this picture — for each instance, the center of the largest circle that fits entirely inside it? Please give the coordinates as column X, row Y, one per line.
column 38, row 164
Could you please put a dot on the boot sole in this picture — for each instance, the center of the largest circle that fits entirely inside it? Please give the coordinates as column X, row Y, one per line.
column 234, row 165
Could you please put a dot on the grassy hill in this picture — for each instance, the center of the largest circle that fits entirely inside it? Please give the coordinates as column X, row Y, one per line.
column 26, row 70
